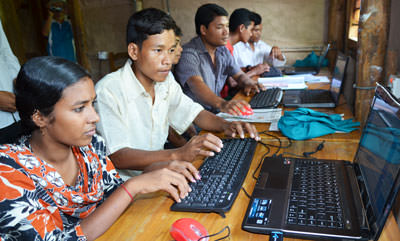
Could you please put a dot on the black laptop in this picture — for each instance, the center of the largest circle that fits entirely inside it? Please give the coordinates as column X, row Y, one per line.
column 330, row 199
column 319, row 98
column 308, row 70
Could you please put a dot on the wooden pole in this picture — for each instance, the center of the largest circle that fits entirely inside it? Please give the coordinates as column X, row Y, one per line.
column 79, row 34
column 372, row 46
column 336, row 28
column 12, row 28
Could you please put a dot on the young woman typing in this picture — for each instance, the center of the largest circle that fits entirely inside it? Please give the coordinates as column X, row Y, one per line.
column 56, row 183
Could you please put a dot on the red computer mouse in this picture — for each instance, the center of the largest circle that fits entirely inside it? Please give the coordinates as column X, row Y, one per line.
column 188, row 229
column 248, row 111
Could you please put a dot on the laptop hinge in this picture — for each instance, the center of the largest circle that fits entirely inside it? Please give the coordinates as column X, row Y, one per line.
column 360, row 209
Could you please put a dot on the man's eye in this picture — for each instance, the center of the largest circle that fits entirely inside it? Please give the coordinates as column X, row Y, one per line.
column 157, row 50
column 171, row 51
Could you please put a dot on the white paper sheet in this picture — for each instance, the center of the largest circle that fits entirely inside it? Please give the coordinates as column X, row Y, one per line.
column 259, row 116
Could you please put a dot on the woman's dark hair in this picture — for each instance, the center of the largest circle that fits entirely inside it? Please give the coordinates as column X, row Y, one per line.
column 206, row 14
column 40, row 84
column 147, row 22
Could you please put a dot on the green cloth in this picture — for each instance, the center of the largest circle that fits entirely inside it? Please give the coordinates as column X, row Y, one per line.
column 304, row 123
column 312, row 60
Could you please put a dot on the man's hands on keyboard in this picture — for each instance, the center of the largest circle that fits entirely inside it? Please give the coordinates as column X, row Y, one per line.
column 201, row 145
column 234, row 128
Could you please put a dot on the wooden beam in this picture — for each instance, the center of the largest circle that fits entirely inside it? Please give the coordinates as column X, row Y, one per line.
column 79, row 34
column 336, row 28
column 372, row 46
column 12, row 28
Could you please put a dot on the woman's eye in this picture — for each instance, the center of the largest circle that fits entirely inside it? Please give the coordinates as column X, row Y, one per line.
column 79, row 109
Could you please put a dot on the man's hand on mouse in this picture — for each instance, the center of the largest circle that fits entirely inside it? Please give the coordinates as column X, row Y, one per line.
column 201, row 145
column 235, row 107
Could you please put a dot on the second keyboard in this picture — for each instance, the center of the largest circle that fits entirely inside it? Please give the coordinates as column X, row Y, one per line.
column 221, row 178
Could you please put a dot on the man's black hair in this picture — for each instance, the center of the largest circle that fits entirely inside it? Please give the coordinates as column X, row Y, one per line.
column 256, row 18
column 147, row 22
column 238, row 17
column 206, row 14
column 178, row 31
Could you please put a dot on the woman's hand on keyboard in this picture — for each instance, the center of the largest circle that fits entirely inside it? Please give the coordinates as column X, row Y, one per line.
column 162, row 179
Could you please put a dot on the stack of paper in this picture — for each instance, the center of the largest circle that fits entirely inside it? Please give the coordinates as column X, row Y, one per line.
column 314, row 78
column 285, row 82
column 259, row 116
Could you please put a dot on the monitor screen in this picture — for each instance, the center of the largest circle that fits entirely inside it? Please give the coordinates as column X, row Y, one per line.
column 338, row 76
column 378, row 156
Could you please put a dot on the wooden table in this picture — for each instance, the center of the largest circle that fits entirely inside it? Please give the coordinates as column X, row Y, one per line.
column 149, row 217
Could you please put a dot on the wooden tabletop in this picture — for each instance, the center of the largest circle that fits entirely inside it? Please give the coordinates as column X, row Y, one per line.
column 150, row 218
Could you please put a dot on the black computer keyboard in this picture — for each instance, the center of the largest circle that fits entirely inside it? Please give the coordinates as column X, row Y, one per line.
column 273, row 72
column 269, row 98
column 221, row 178
column 314, row 196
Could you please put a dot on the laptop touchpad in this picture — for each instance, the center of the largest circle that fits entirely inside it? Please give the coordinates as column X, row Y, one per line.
column 273, row 180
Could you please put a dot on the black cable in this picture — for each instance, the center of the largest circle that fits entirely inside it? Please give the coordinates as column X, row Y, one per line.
column 211, row 235
column 261, row 159
column 319, row 147
column 246, row 193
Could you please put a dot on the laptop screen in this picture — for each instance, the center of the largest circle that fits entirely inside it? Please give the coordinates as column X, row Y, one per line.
column 338, row 76
column 378, row 156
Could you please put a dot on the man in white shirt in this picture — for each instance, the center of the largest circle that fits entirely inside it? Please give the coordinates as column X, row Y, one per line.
column 256, row 52
column 138, row 102
column 9, row 68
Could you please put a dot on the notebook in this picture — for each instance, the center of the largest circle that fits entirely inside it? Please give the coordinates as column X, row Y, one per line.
column 307, row 70
column 363, row 191
column 319, row 98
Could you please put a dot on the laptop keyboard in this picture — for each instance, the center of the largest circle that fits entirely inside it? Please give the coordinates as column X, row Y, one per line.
column 269, row 98
column 221, row 178
column 273, row 72
column 314, row 196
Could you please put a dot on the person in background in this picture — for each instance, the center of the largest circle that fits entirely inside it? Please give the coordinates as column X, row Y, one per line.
column 9, row 67
column 206, row 63
column 140, row 101
column 57, row 182
column 241, row 25
column 58, row 31
column 174, row 139
column 256, row 54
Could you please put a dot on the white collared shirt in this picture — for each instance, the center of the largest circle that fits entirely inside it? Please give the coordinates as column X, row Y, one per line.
column 9, row 68
column 245, row 56
column 129, row 119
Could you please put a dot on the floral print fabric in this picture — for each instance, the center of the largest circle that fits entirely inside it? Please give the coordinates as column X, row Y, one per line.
column 36, row 204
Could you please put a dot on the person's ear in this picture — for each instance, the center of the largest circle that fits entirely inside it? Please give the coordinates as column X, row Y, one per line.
column 203, row 30
column 133, row 51
column 242, row 27
column 39, row 119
